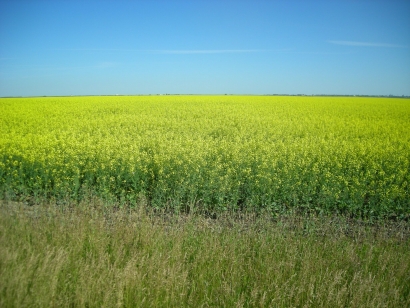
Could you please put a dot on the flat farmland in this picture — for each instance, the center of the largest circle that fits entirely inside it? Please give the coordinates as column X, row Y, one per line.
column 204, row 201
column 211, row 154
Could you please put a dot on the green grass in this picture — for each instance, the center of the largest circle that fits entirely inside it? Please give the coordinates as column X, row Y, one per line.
column 94, row 255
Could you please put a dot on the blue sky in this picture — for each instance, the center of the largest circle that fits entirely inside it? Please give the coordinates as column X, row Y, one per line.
column 204, row 47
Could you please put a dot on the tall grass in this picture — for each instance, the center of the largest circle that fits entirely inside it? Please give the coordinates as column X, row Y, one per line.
column 94, row 255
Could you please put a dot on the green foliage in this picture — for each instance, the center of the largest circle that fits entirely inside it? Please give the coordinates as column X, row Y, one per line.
column 92, row 255
column 211, row 154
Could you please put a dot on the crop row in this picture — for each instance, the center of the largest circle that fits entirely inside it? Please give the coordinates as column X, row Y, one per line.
column 216, row 153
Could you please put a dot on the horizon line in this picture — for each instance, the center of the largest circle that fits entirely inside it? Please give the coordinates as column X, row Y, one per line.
column 213, row 94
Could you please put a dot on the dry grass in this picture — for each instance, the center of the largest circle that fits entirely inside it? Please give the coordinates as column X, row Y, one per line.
column 96, row 256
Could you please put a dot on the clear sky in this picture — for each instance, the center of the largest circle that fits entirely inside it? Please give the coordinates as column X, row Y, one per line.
column 204, row 47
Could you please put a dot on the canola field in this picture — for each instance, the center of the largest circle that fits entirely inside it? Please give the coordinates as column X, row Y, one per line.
column 342, row 155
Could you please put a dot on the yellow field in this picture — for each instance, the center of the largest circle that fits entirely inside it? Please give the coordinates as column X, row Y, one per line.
column 211, row 153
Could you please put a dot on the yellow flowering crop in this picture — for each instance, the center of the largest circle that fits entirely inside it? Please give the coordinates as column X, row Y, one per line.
column 329, row 154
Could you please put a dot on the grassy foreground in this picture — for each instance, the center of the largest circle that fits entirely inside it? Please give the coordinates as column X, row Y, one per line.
column 91, row 255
